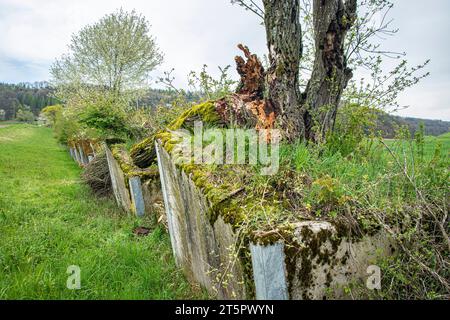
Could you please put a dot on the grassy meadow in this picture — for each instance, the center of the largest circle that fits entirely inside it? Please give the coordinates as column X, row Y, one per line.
column 49, row 220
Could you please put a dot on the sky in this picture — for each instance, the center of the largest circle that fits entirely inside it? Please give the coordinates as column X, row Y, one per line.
column 33, row 33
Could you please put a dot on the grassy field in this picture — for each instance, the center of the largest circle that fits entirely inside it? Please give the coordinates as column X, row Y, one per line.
column 49, row 221
column 430, row 145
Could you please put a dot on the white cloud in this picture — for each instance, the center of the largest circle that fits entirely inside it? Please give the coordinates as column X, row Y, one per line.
column 190, row 33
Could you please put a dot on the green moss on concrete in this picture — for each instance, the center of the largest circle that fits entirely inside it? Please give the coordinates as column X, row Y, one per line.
column 205, row 112
column 127, row 166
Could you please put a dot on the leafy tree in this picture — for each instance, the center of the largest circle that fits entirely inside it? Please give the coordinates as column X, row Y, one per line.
column 35, row 95
column 117, row 54
column 51, row 113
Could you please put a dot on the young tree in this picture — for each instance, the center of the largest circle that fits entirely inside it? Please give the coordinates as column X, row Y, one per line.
column 117, row 54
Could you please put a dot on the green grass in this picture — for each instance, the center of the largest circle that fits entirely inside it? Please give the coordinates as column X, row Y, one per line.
column 371, row 169
column 430, row 145
column 49, row 220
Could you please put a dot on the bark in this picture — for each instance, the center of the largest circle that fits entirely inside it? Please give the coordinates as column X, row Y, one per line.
column 330, row 76
column 265, row 98
column 283, row 32
column 309, row 115
column 143, row 154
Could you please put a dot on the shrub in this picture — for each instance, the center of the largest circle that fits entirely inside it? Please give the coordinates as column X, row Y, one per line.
column 51, row 112
column 25, row 116
column 106, row 117
column 353, row 122
column 66, row 126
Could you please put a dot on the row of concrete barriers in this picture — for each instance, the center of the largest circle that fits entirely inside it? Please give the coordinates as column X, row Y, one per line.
column 131, row 199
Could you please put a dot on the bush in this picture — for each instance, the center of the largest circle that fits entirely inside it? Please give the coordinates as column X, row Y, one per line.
column 25, row 116
column 51, row 112
column 353, row 123
column 66, row 126
column 106, row 117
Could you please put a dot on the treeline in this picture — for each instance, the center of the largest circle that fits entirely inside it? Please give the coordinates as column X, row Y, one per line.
column 157, row 97
column 388, row 125
column 36, row 96
column 31, row 97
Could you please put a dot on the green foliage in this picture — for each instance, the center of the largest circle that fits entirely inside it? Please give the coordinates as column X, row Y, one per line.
column 210, row 88
column 107, row 118
column 353, row 123
column 51, row 113
column 400, row 188
column 66, row 126
column 419, row 137
column 132, row 54
column 24, row 115
column 34, row 96
column 327, row 191
column 101, row 89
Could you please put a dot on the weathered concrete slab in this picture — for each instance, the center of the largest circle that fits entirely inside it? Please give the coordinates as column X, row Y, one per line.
column 269, row 271
column 318, row 264
column 204, row 251
column 118, row 181
column 327, row 263
column 83, row 157
column 77, row 155
column 137, row 198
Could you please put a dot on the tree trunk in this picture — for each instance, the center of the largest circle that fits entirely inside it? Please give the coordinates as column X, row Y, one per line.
column 309, row 115
column 330, row 76
column 272, row 97
column 283, row 32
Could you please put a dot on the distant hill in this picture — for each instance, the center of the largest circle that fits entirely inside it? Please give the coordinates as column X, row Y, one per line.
column 33, row 96
column 36, row 96
column 39, row 95
column 388, row 124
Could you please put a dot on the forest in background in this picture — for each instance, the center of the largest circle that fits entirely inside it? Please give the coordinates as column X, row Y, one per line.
column 36, row 96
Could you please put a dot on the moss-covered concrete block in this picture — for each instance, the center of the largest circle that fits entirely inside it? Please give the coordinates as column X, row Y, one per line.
column 205, row 251
column 118, row 181
column 211, row 241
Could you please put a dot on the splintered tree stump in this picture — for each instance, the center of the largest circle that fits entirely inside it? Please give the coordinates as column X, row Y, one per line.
column 252, row 74
column 248, row 107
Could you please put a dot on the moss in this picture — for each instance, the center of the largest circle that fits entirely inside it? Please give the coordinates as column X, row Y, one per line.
column 249, row 211
column 144, row 144
column 127, row 166
column 204, row 111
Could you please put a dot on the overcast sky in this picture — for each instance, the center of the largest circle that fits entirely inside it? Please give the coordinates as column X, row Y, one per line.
column 196, row 32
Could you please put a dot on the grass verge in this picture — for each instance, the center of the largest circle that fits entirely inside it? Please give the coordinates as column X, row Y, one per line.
column 49, row 220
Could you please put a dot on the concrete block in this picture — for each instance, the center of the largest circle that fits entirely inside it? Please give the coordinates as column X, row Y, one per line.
column 137, row 198
column 118, row 182
column 269, row 271
column 77, row 155
column 83, row 158
column 203, row 250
